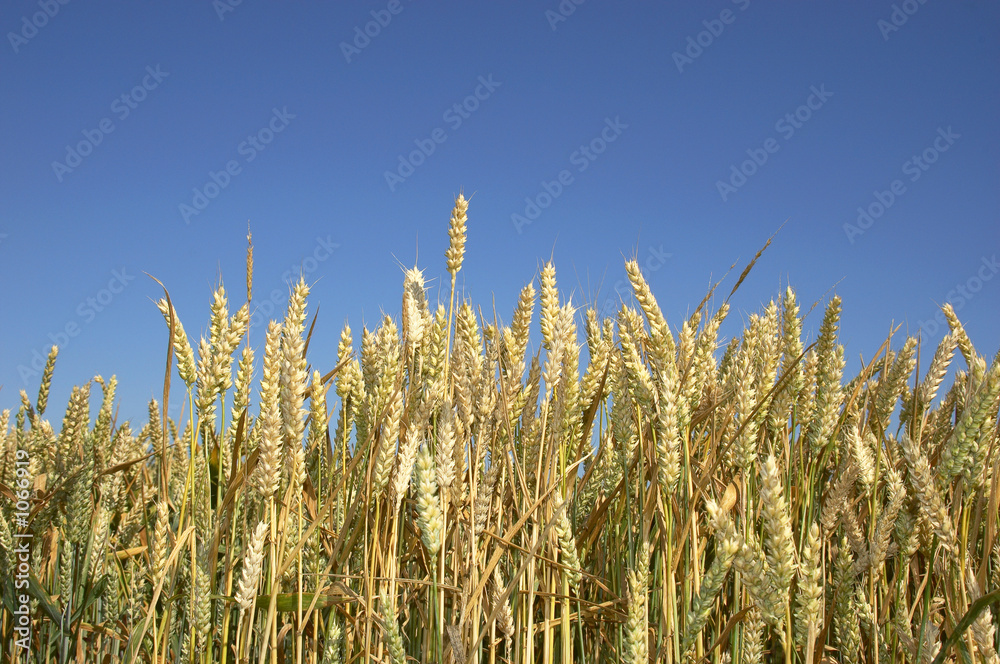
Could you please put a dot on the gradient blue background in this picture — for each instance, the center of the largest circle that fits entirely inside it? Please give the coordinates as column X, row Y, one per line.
column 653, row 191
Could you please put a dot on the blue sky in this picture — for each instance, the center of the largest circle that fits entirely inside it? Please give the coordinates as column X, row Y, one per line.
column 140, row 138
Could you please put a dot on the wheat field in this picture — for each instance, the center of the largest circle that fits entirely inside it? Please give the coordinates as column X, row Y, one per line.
column 627, row 492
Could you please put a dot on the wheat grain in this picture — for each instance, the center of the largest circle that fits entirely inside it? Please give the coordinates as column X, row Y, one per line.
column 933, row 508
column 848, row 628
column 505, row 619
column 727, row 546
column 893, row 383
column 791, row 349
column 809, row 593
column 6, row 548
column 962, row 451
column 662, row 345
column 887, row 520
column 203, row 607
column 388, row 440
column 185, row 356
column 332, row 643
column 778, row 526
column 160, row 543
column 393, row 638
column 416, row 318
column 757, row 578
column 43, row 390
column 253, row 561
column 567, row 545
column 318, row 417
column 636, row 647
column 961, row 337
column 456, row 235
column 753, row 633
column 983, row 630
column 862, row 454
column 549, row 304
column 268, row 473
column 429, row 516
column 445, row 449
column 747, row 445
column 293, row 365
column 668, row 442
column 829, row 370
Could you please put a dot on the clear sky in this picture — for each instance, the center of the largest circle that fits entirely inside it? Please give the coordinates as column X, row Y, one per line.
column 140, row 138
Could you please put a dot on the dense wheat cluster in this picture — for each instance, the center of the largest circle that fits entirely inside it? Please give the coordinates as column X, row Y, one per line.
column 627, row 492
